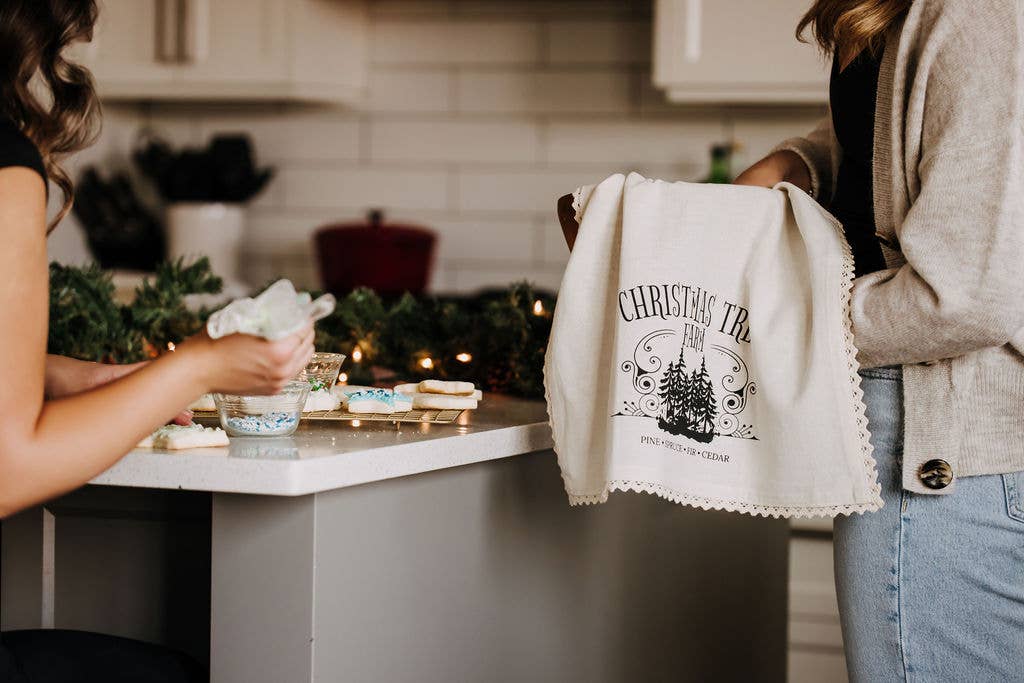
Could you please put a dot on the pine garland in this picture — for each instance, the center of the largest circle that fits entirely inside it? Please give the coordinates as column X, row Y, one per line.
column 496, row 340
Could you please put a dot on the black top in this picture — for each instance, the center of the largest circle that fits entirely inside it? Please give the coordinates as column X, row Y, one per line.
column 17, row 150
column 852, row 93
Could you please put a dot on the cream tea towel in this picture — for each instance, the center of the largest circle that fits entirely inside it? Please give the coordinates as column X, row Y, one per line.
column 701, row 350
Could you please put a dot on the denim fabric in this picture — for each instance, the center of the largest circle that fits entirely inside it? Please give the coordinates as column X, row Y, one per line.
column 931, row 588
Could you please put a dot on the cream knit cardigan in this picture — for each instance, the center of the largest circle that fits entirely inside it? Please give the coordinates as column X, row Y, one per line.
column 949, row 210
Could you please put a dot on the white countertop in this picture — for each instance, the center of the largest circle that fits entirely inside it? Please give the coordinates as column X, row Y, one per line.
column 330, row 454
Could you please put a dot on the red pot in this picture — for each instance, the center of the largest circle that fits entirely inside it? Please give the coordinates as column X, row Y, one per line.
column 390, row 259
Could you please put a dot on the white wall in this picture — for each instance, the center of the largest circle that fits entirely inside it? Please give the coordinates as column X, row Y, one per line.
column 480, row 114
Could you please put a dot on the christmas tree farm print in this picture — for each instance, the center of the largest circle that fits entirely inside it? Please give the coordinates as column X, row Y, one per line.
column 688, row 375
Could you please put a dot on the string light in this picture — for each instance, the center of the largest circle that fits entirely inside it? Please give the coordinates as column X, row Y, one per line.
column 170, row 346
column 427, row 363
column 343, row 378
column 464, row 357
column 357, row 355
column 538, row 307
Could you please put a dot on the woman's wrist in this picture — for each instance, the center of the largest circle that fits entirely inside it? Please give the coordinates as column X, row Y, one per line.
column 794, row 169
column 196, row 355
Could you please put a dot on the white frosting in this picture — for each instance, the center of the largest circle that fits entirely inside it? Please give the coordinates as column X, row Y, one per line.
column 176, row 437
column 321, row 399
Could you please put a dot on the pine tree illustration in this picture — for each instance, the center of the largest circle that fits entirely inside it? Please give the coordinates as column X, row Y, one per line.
column 681, row 391
column 666, row 392
column 705, row 406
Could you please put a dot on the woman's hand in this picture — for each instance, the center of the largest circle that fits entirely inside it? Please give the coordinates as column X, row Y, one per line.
column 248, row 365
column 778, row 167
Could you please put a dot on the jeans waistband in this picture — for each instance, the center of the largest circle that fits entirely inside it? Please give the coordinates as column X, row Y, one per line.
column 892, row 372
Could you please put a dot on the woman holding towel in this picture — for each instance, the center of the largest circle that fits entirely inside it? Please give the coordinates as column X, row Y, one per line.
column 921, row 158
column 56, row 432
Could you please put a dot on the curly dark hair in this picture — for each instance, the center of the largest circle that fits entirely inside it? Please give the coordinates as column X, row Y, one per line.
column 62, row 116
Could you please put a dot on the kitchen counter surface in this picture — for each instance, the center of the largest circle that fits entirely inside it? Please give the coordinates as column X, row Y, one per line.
column 325, row 455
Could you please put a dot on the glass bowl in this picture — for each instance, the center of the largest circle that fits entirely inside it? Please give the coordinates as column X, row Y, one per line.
column 324, row 368
column 276, row 415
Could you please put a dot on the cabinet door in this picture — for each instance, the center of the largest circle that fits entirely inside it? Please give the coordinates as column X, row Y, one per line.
column 133, row 46
column 735, row 51
column 234, row 42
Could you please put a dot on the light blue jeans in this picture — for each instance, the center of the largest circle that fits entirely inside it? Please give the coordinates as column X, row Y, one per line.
column 931, row 588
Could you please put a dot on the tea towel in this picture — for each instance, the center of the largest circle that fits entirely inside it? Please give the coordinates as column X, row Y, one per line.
column 701, row 351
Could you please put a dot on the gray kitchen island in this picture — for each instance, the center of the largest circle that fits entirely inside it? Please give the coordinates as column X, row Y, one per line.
column 401, row 552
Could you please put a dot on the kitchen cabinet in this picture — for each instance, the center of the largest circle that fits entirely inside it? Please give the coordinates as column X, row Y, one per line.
column 298, row 50
column 736, row 51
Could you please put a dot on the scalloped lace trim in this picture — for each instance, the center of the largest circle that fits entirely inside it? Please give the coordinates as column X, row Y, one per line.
column 577, row 204
column 856, row 395
column 705, row 503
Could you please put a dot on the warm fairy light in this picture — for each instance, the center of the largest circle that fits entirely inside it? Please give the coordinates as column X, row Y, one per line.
column 427, row 363
column 343, row 378
column 170, row 346
column 464, row 357
column 538, row 307
column 357, row 355
column 356, row 423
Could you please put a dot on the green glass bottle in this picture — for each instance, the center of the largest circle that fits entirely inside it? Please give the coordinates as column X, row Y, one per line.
column 721, row 164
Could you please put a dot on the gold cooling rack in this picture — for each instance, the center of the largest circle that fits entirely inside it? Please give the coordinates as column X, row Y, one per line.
column 432, row 416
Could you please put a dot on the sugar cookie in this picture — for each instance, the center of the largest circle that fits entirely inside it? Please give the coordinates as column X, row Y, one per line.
column 438, row 386
column 177, row 437
column 442, row 402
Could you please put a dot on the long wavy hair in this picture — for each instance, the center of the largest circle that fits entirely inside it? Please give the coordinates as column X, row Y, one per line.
column 848, row 27
column 51, row 99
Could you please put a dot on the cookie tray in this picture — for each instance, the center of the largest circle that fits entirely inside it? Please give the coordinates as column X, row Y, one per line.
column 431, row 416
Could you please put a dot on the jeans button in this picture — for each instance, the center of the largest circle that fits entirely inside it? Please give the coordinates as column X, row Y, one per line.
column 936, row 474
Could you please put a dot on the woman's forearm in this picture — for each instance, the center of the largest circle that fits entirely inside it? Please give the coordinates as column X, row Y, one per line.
column 72, row 441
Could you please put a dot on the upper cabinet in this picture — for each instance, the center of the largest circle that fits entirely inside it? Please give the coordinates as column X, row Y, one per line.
column 736, row 51
column 302, row 50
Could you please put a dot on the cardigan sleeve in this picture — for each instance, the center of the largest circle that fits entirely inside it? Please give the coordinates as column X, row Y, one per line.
column 819, row 150
column 962, row 286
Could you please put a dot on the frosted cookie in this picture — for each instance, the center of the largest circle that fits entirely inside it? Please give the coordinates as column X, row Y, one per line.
column 343, row 391
column 370, row 401
column 412, row 389
column 177, row 437
column 437, row 386
column 203, row 403
column 442, row 402
column 321, row 399
column 403, row 402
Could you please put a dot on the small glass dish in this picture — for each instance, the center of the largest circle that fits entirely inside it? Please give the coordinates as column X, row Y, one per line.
column 276, row 415
column 323, row 368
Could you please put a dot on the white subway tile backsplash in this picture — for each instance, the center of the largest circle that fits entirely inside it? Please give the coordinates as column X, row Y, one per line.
column 484, row 239
column 364, row 188
column 533, row 191
column 537, row 92
column 554, row 8
column 598, row 42
column 410, row 90
column 666, row 142
column 444, row 141
column 551, row 241
column 331, row 135
column 427, row 41
column 386, row 8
